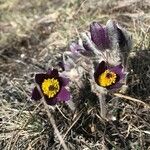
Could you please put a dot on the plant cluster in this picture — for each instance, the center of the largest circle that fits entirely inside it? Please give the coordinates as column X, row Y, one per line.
column 100, row 54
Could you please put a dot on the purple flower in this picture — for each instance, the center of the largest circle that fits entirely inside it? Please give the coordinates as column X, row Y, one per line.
column 99, row 36
column 78, row 49
column 109, row 77
column 52, row 86
column 106, row 37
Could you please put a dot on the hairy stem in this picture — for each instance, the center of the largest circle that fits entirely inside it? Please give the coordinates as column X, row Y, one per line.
column 102, row 101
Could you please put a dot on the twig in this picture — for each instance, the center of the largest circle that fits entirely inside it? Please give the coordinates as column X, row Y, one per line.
column 131, row 99
column 62, row 113
column 77, row 118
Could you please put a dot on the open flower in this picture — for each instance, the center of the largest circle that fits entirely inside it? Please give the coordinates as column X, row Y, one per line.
column 52, row 86
column 109, row 77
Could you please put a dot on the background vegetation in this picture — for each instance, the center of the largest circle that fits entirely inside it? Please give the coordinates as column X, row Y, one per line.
column 33, row 36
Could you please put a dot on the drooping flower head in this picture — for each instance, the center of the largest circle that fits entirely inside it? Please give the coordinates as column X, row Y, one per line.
column 109, row 77
column 52, row 86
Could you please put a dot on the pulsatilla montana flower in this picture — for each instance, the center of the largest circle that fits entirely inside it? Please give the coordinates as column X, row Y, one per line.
column 52, row 86
column 80, row 48
column 99, row 35
column 109, row 77
column 106, row 37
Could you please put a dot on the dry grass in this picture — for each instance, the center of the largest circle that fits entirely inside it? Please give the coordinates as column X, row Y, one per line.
column 33, row 36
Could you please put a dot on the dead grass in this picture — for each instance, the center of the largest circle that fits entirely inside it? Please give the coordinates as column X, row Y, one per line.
column 33, row 36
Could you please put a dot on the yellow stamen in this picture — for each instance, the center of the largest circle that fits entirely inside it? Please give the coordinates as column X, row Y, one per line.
column 50, row 87
column 107, row 78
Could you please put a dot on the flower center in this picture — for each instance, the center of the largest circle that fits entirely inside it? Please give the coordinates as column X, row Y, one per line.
column 107, row 78
column 50, row 87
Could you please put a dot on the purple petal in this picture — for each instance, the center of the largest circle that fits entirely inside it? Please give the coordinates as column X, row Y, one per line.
column 39, row 78
column 50, row 101
column 64, row 81
column 115, row 86
column 36, row 94
column 119, row 71
column 54, row 73
column 99, row 35
column 120, row 75
column 64, row 95
column 116, row 69
column 99, row 70
column 75, row 48
column 49, row 71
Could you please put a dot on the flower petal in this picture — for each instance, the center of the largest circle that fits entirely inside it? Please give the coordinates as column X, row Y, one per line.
column 64, row 95
column 50, row 101
column 36, row 94
column 75, row 48
column 112, row 33
column 99, row 35
column 99, row 70
column 119, row 71
column 64, row 81
column 39, row 78
column 116, row 69
column 88, row 51
column 115, row 86
column 54, row 73
column 49, row 71
column 121, row 38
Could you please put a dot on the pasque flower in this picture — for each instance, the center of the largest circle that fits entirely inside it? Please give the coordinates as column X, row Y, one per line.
column 99, row 35
column 52, row 86
column 109, row 77
column 80, row 48
column 106, row 37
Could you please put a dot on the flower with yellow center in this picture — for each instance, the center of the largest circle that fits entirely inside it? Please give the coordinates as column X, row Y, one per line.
column 107, row 78
column 50, row 87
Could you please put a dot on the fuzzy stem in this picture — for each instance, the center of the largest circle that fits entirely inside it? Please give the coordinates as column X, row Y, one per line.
column 101, row 94
column 102, row 101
